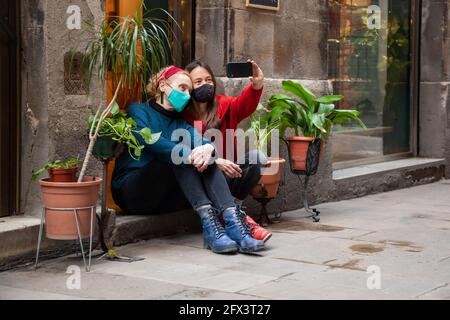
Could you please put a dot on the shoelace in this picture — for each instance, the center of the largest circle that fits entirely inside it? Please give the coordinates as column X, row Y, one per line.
column 243, row 226
column 214, row 221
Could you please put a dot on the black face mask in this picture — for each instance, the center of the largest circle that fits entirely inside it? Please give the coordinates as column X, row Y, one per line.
column 205, row 93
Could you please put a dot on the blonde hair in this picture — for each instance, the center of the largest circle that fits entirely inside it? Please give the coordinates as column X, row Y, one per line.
column 152, row 87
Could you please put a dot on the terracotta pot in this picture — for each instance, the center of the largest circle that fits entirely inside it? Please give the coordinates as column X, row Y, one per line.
column 298, row 148
column 61, row 225
column 63, row 175
column 267, row 186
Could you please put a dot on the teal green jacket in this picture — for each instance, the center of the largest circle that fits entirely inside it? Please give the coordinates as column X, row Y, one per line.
column 153, row 116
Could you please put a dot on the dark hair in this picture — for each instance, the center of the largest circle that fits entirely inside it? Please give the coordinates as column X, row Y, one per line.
column 212, row 119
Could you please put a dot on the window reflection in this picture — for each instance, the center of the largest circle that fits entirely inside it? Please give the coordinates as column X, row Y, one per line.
column 369, row 63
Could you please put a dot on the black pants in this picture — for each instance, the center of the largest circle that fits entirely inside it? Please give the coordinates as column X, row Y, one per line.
column 160, row 187
column 251, row 174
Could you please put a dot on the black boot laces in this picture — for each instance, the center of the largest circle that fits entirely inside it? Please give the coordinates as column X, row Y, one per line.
column 219, row 231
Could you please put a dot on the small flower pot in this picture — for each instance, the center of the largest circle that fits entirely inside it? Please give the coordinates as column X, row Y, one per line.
column 61, row 225
column 267, row 187
column 63, row 175
column 298, row 148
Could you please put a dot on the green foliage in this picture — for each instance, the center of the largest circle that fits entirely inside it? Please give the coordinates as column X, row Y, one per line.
column 305, row 113
column 260, row 128
column 123, row 129
column 57, row 164
column 133, row 48
column 127, row 51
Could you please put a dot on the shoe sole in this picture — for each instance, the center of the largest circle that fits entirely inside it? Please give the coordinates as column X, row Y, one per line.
column 267, row 237
column 251, row 251
column 222, row 251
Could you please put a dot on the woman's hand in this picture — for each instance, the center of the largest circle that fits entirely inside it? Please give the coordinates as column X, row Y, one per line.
column 228, row 167
column 258, row 76
column 201, row 156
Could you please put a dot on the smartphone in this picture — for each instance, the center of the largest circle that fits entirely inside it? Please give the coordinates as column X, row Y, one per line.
column 239, row 69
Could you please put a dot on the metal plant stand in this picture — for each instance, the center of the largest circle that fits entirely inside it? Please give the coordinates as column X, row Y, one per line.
column 75, row 214
column 264, row 219
column 312, row 164
column 107, row 220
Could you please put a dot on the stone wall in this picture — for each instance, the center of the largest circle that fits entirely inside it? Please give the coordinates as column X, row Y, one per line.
column 289, row 43
column 434, row 115
column 54, row 124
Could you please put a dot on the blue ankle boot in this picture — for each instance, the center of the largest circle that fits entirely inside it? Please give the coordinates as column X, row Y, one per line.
column 214, row 236
column 238, row 231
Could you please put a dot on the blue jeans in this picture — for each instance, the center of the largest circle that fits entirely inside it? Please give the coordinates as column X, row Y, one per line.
column 161, row 187
column 251, row 174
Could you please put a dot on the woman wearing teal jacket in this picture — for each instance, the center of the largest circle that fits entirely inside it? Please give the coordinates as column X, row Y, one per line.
column 171, row 175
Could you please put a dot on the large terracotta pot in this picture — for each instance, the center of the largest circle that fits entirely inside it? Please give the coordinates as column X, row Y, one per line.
column 298, row 148
column 267, row 186
column 61, row 225
column 63, row 175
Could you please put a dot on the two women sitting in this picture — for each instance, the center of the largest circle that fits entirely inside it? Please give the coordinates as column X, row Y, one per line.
column 173, row 175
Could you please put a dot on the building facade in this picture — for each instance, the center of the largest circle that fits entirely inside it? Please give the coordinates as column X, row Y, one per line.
column 390, row 59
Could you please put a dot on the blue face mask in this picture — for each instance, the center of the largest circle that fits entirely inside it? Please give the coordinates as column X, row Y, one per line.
column 178, row 99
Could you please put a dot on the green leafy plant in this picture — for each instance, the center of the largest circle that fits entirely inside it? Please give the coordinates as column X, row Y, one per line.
column 261, row 129
column 307, row 114
column 126, row 51
column 57, row 164
column 123, row 129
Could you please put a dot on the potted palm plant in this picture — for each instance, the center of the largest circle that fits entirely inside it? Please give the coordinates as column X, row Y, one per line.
column 122, row 51
column 306, row 114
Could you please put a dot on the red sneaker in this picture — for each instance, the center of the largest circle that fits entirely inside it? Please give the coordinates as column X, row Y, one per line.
column 258, row 232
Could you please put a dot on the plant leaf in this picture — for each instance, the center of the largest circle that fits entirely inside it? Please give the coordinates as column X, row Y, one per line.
column 329, row 99
column 148, row 137
column 115, row 109
column 326, row 108
column 300, row 91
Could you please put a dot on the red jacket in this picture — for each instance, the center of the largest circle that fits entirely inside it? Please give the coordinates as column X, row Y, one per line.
column 231, row 111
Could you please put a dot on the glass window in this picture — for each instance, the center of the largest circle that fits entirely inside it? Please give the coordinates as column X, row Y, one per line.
column 369, row 63
column 181, row 39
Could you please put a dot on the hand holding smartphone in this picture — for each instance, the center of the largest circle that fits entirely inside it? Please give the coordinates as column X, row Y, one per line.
column 239, row 69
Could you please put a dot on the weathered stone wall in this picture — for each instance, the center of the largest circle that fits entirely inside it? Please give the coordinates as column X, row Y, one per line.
column 289, row 43
column 54, row 124
column 434, row 125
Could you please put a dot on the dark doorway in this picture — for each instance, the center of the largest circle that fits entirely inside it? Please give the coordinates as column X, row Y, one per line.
column 182, row 37
column 9, row 125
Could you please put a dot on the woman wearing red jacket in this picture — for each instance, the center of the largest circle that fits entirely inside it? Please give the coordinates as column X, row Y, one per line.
column 225, row 113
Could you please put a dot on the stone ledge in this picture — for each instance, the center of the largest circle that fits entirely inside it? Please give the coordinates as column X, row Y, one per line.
column 387, row 176
column 18, row 235
column 368, row 170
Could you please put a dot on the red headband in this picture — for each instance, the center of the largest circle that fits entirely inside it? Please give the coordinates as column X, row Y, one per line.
column 168, row 73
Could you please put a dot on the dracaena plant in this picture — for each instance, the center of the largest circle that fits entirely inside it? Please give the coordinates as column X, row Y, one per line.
column 126, row 51
column 307, row 114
